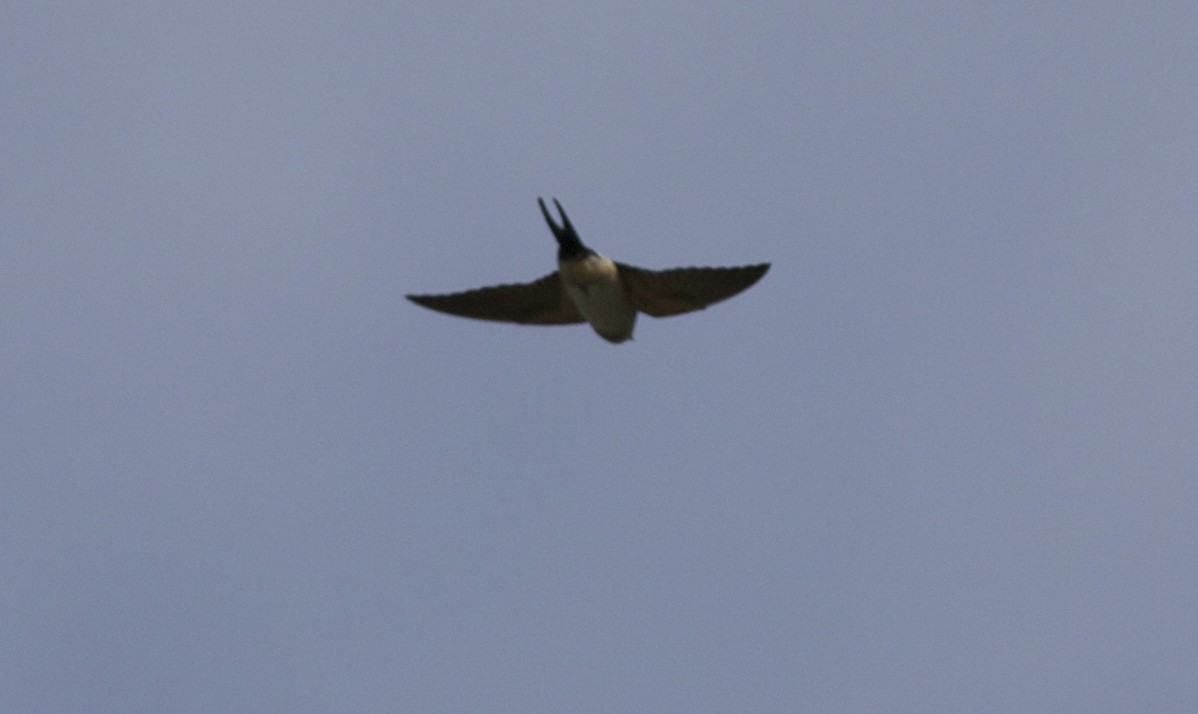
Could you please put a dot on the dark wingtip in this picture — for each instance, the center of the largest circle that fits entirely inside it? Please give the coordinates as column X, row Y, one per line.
column 758, row 272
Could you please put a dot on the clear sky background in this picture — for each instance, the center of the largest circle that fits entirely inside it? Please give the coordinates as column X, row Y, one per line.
column 944, row 457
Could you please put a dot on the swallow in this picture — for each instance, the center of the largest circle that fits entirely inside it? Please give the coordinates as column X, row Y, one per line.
column 589, row 287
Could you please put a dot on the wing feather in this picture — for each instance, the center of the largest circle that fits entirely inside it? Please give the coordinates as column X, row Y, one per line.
column 542, row 302
column 662, row 293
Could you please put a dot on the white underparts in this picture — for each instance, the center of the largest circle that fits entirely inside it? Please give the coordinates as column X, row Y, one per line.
column 594, row 286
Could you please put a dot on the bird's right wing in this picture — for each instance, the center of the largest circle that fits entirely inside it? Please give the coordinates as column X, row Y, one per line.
column 662, row 293
column 542, row 302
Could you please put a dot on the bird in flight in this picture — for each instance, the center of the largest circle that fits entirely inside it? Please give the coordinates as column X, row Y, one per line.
column 588, row 287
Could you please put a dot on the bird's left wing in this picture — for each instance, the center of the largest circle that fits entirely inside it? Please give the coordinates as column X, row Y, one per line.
column 662, row 293
column 542, row 302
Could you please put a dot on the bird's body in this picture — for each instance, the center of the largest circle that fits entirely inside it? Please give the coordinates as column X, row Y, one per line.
column 589, row 287
column 593, row 284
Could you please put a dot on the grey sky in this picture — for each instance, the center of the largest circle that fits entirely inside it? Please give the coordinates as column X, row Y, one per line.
column 942, row 458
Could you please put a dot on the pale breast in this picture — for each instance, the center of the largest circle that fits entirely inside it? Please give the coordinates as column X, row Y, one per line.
column 594, row 286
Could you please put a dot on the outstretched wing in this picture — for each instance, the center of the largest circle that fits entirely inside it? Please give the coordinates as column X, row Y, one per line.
column 542, row 302
column 661, row 293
